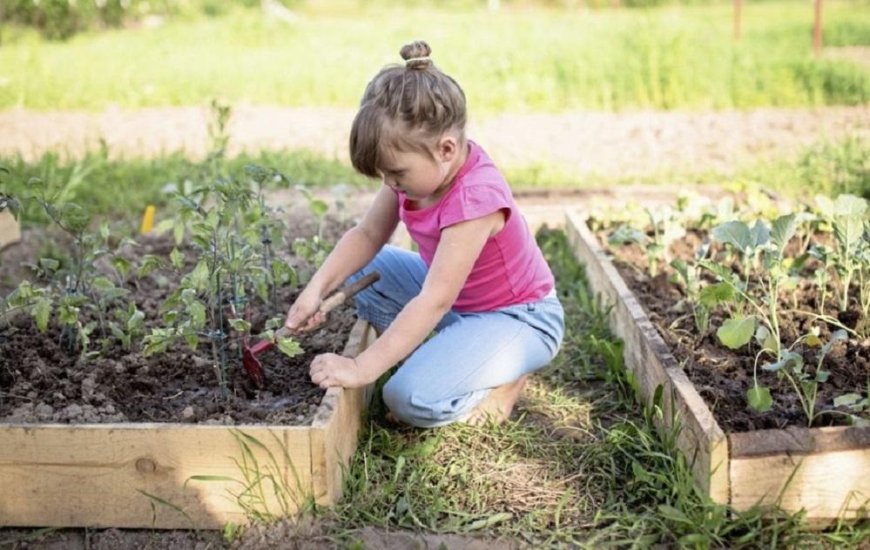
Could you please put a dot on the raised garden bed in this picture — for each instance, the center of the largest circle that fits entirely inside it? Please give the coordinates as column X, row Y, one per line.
column 823, row 471
column 178, row 476
column 123, row 397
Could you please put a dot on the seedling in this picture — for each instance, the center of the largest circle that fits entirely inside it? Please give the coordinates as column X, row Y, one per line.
column 848, row 216
column 81, row 281
column 806, row 385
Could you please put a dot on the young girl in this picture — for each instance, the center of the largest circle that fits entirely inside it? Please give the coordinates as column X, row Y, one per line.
column 479, row 281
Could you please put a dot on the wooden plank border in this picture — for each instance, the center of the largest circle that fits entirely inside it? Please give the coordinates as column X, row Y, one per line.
column 825, row 471
column 700, row 438
column 177, row 476
column 822, row 471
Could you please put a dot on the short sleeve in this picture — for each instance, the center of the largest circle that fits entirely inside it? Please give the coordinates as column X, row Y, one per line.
column 472, row 202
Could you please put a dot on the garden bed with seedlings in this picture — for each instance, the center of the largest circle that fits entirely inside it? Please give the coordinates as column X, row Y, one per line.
column 124, row 397
column 750, row 331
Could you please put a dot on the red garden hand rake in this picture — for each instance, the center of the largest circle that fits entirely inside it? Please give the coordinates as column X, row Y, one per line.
column 249, row 353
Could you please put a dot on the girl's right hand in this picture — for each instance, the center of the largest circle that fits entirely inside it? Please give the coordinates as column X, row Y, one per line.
column 305, row 314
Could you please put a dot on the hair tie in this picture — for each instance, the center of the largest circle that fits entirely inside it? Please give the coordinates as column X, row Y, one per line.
column 411, row 60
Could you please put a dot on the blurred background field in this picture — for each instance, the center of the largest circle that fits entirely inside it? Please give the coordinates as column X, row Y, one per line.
column 526, row 56
column 111, row 99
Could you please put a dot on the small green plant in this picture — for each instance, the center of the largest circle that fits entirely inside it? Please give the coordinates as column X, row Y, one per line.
column 86, row 284
column 701, row 298
column 665, row 229
column 226, row 224
column 763, row 321
column 848, row 215
column 805, row 384
column 231, row 233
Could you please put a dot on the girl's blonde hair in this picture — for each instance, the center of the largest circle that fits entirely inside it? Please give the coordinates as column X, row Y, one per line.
column 405, row 108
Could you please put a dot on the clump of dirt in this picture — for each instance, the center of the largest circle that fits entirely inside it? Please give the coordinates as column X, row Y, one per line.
column 722, row 376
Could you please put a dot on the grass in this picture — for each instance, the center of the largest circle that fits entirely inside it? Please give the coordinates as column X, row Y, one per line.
column 120, row 189
column 529, row 58
column 580, row 466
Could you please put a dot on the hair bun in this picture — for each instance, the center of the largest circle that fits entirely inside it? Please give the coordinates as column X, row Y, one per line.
column 416, row 55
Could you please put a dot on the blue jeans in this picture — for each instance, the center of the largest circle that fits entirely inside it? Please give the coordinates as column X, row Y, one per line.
column 469, row 354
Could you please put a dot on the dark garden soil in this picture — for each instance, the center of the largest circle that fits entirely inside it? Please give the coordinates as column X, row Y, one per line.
column 41, row 381
column 722, row 376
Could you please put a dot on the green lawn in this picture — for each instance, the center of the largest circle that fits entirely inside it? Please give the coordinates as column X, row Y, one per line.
column 517, row 59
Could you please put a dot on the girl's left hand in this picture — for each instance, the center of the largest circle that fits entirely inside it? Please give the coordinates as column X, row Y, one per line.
column 329, row 370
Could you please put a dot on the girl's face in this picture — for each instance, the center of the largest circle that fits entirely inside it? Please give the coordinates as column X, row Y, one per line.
column 419, row 175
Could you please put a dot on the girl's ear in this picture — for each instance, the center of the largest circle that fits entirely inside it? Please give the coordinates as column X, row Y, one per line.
column 448, row 147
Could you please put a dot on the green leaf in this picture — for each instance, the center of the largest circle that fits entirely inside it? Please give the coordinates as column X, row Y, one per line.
column 240, row 325
column 759, row 399
column 192, row 340
column 773, row 367
column 627, row 234
column 674, row 514
column 289, row 347
column 318, row 207
column 41, row 312
column 196, row 311
column 102, row 284
column 783, row 230
column 735, row 233
column 136, row 321
column 176, row 258
column 736, row 332
column 178, row 232
column 760, row 234
column 765, row 340
column 719, row 293
column 49, row 264
column 199, row 277
column 846, row 400
column 849, row 214
column 149, row 263
column 489, row 521
column 122, row 265
column 164, row 226
column 681, row 267
column 68, row 314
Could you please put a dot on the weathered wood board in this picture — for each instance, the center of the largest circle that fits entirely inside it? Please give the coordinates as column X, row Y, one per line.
column 177, row 476
column 824, row 471
column 10, row 230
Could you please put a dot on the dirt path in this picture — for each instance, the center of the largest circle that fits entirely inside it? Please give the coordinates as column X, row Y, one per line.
column 578, row 143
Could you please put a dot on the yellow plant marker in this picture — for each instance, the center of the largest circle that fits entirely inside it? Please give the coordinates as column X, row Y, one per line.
column 147, row 220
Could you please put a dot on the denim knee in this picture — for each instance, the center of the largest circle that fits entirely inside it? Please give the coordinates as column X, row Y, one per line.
column 397, row 397
column 413, row 406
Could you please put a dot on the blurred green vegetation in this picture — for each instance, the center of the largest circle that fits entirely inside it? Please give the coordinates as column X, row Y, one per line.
column 527, row 56
column 120, row 189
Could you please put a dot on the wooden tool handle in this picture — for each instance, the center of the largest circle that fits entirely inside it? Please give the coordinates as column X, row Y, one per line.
column 338, row 298
column 348, row 292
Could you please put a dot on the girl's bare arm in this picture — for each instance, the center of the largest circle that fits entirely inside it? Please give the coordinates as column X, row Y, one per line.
column 359, row 245
column 457, row 252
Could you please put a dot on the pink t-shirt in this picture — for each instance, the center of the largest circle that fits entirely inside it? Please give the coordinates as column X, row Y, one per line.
column 511, row 268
